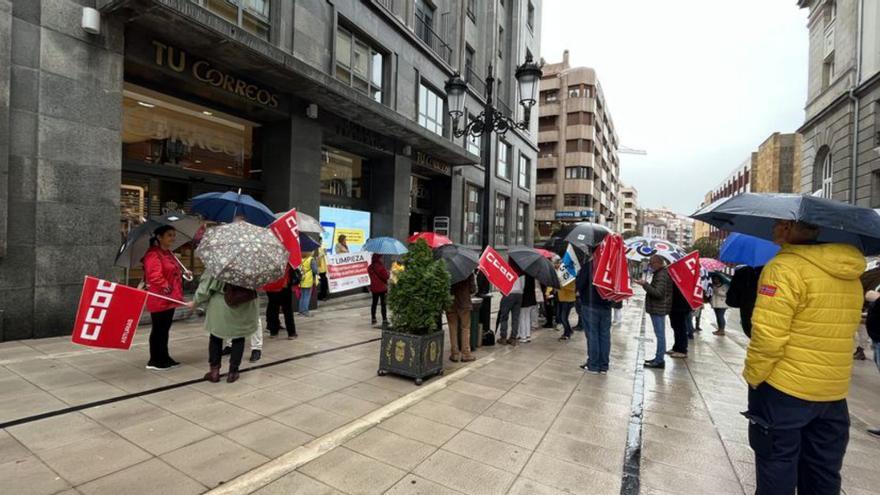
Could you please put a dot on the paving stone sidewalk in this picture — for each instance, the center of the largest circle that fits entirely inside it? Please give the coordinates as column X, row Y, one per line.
column 528, row 422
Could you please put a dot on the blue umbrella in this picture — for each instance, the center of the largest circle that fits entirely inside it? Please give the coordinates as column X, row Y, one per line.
column 223, row 207
column 385, row 245
column 742, row 249
column 756, row 214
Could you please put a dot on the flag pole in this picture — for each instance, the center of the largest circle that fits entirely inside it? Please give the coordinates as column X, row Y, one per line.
column 151, row 294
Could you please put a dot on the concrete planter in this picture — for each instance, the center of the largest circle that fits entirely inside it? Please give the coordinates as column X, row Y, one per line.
column 414, row 356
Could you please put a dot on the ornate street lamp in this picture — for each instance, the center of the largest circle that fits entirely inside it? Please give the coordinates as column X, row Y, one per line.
column 528, row 76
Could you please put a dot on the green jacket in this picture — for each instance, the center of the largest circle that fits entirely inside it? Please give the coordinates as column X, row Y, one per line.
column 221, row 320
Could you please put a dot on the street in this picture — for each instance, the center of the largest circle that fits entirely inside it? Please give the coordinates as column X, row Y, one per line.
column 315, row 418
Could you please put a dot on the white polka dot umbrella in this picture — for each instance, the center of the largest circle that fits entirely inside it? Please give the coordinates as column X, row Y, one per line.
column 242, row 254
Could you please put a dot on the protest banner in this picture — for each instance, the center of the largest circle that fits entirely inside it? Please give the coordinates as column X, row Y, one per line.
column 348, row 271
column 286, row 230
column 685, row 273
column 567, row 270
column 497, row 271
column 108, row 314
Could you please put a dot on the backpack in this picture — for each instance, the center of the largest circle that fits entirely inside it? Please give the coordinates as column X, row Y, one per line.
column 234, row 295
column 296, row 276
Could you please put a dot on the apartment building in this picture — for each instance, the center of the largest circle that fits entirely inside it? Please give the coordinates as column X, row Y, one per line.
column 663, row 223
column 578, row 177
column 628, row 218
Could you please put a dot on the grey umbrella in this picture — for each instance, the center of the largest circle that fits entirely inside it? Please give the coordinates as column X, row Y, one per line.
column 756, row 214
column 243, row 254
column 132, row 251
column 533, row 263
column 460, row 261
column 582, row 235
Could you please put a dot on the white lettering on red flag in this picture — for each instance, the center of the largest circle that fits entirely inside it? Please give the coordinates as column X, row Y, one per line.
column 497, row 271
column 286, row 229
column 685, row 273
column 108, row 314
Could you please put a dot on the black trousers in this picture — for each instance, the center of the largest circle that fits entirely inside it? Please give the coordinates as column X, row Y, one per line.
column 215, row 352
column 379, row 296
column 799, row 445
column 161, row 321
column 745, row 316
column 678, row 320
column 282, row 300
column 550, row 313
column 323, row 287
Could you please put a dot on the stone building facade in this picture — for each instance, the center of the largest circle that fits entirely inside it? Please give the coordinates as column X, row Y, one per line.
column 629, row 209
column 300, row 103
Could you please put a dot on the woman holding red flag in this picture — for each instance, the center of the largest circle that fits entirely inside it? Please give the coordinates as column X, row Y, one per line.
column 163, row 276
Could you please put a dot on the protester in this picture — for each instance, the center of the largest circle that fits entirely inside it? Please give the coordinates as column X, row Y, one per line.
column 872, row 326
column 566, row 296
column 798, row 363
column 309, row 269
column 658, row 303
column 341, row 245
column 596, row 316
column 163, row 276
column 743, row 293
column 719, row 304
column 324, row 282
column 458, row 315
column 548, row 295
column 232, row 313
column 679, row 313
column 528, row 307
column 378, row 287
column 510, row 307
column 280, row 296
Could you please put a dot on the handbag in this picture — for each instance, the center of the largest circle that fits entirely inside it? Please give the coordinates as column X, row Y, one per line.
column 234, row 295
column 488, row 338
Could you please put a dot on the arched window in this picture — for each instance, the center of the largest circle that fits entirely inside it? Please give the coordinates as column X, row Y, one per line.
column 823, row 173
column 827, row 174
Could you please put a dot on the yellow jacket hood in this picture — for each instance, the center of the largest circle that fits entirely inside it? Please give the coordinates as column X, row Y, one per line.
column 838, row 260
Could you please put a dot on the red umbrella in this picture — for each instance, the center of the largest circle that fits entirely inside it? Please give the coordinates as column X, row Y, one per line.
column 433, row 240
column 547, row 254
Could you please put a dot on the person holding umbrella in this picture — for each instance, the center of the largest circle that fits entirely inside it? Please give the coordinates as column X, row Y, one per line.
column 719, row 302
column 280, row 295
column 458, row 315
column 378, row 287
column 164, row 276
column 597, row 320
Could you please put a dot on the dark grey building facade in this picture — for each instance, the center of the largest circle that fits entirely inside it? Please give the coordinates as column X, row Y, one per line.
column 301, row 103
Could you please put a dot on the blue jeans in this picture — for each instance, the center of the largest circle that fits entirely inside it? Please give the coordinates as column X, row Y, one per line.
column 564, row 314
column 798, row 444
column 659, row 324
column 598, row 337
column 304, row 299
column 719, row 317
column 877, row 355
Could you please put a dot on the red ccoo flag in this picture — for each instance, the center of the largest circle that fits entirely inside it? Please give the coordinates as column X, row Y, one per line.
column 686, row 275
column 499, row 273
column 108, row 314
column 286, row 229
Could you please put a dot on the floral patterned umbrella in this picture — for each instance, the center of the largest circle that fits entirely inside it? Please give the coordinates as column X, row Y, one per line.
column 242, row 254
column 712, row 264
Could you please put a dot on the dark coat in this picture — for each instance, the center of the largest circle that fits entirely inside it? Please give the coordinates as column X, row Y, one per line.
column 529, row 299
column 659, row 294
column 587, row 293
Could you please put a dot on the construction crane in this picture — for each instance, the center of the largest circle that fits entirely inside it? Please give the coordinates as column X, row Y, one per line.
column 631, row 151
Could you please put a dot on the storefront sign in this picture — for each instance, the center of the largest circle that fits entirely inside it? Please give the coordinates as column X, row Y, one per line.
column 202, row 70
column 336, row 222
column 575, row 214
column 427, row 161
column 360, row 134
column 348, row 271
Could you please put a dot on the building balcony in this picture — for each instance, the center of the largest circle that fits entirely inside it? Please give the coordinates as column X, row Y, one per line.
column 577, row 186
column 546, row 188
column 580, row 105
column 546, row 109
column 579, row 132
column 548, row 136
column 578, row 158
column 548, row 162
column 425, row 32
column 549, row 83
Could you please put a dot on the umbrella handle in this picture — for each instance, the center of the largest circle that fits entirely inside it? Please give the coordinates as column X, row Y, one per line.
column 187, row 274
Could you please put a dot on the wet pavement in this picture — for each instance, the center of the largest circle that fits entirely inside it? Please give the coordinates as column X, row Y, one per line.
column 318, row 419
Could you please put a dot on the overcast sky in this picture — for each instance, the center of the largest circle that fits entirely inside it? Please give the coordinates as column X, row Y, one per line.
column 698, row 84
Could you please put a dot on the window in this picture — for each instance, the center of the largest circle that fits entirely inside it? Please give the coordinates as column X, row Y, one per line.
column 430, row 109
column 574, row 91
column 828, row 71
column 502, row 168
column 579, row 146
column 500, row 42
column 473, row 143
column 251, row 15
column 580, row 118
column 358, row 64
column 469, row 64
column 546, row 150
column 424, row 21
column 522, row 217
column 548, row 123
column 471, row 9
column 576, row 199
column 343, row 174
column 546, row 176
column 531, row 16
column 473, row 210
column 502, row 203
column 545, row 201
column 830, row 12
column 827, row 176
column 525, row 171
column 550, row 96
column 582, row 173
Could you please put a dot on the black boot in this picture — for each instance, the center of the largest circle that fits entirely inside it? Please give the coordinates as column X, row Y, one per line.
column 213, row 376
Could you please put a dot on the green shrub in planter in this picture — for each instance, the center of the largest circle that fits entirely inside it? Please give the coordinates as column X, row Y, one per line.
column 414, row 345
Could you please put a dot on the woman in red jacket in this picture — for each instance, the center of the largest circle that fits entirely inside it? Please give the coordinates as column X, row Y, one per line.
column 163, row 275
column 378, row 287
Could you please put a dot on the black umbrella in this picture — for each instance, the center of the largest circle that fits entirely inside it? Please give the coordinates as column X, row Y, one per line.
column 533, row 263
column 582, row 235
column 131, row 253
column 756, row 214
column 460, row 261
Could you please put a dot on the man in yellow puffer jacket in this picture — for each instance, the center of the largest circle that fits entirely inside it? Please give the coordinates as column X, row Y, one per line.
column 799, row 362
